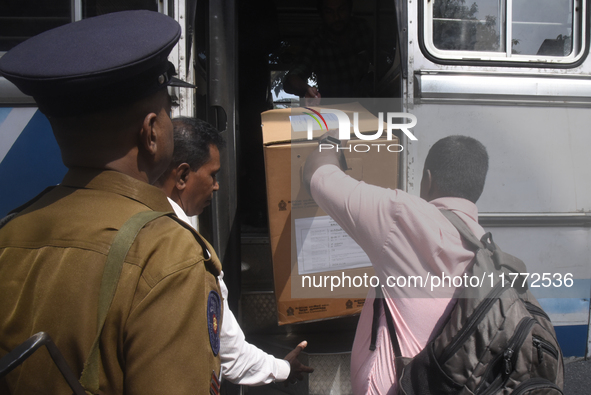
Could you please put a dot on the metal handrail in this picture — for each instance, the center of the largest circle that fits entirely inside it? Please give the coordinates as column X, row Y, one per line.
column 24, row 350
column 535, row 219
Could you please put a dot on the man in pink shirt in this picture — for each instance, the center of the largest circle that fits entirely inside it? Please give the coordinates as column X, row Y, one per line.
column 404, row 235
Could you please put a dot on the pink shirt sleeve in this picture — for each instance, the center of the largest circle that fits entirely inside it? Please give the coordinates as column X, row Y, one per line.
column 362, row 210
column 392, row 225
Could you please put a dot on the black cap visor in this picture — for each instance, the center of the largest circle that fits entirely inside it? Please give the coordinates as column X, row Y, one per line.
column 180, row 83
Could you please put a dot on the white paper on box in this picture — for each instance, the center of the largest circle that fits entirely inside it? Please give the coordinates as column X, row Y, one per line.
column 322, row 245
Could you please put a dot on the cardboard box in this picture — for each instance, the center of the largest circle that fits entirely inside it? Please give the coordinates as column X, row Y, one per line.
column 292, row 211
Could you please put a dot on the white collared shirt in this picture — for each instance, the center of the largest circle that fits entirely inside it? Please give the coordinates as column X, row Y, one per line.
column 242, row 363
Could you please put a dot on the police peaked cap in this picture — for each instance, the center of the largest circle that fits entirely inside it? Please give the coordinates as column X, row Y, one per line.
column 96, row 63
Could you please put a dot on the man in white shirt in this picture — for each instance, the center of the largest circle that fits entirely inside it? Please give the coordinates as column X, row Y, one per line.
column 189, row 183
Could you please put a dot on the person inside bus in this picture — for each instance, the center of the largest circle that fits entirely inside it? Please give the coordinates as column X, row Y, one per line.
column 189, row 182
column 102, row 83
column 403, row 235
column 339, row 55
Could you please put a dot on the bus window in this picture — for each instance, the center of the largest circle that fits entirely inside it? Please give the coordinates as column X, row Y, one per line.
column 299, row 26
column 545, row 30
column 92, row 8
column 475, row 27
column 22, row 19
column 505, row 30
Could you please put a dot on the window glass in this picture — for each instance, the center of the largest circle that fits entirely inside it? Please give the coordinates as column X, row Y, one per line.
column 22, row 19
column 522, row 30
column 98, row 7
column 542, row 30
column 458, row 25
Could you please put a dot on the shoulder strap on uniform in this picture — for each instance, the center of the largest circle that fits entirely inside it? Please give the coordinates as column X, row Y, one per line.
column 14, row 212
column 111, row 273
column 198, row 237
column 212, row 264
column 7, row 219
column 30, row 202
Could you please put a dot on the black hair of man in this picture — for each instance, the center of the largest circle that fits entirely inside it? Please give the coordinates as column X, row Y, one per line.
column 458, row 166
column 192, row 139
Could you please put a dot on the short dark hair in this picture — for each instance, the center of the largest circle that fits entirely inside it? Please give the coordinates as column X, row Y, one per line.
column 458, row 166
column 192, row 139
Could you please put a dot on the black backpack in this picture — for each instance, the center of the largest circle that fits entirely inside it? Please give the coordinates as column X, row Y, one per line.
column 497, row 339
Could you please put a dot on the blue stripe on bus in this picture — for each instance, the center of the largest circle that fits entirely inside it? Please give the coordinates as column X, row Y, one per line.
column 566, row 306
column 581, row 288
column 572, row 339
column 570, row 305
column 4, row 111
column 33, row 163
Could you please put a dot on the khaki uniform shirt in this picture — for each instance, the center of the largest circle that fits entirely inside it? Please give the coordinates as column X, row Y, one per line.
column 156, row 338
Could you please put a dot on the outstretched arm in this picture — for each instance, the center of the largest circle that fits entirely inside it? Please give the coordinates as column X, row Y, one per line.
column 245, row 364
column 319, row 158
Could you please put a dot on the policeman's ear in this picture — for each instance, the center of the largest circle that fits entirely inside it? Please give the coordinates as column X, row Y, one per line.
column 148, row 135
column 182, row 175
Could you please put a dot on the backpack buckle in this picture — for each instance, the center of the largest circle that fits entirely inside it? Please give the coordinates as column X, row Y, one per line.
column 488, row 242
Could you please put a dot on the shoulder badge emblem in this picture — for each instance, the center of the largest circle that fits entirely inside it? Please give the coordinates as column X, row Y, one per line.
column 214, row 312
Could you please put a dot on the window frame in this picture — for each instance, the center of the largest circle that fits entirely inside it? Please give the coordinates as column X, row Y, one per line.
column 580, row 42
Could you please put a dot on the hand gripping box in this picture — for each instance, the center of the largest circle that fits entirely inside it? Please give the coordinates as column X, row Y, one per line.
column 311, row 253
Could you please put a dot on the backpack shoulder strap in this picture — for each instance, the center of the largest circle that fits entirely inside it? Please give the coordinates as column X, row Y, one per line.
column 501, row 260
column 461, row 226
column 111, row 273
column 379, row 303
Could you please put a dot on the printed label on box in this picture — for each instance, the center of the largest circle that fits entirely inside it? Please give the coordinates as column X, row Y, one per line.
column 322, row 245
